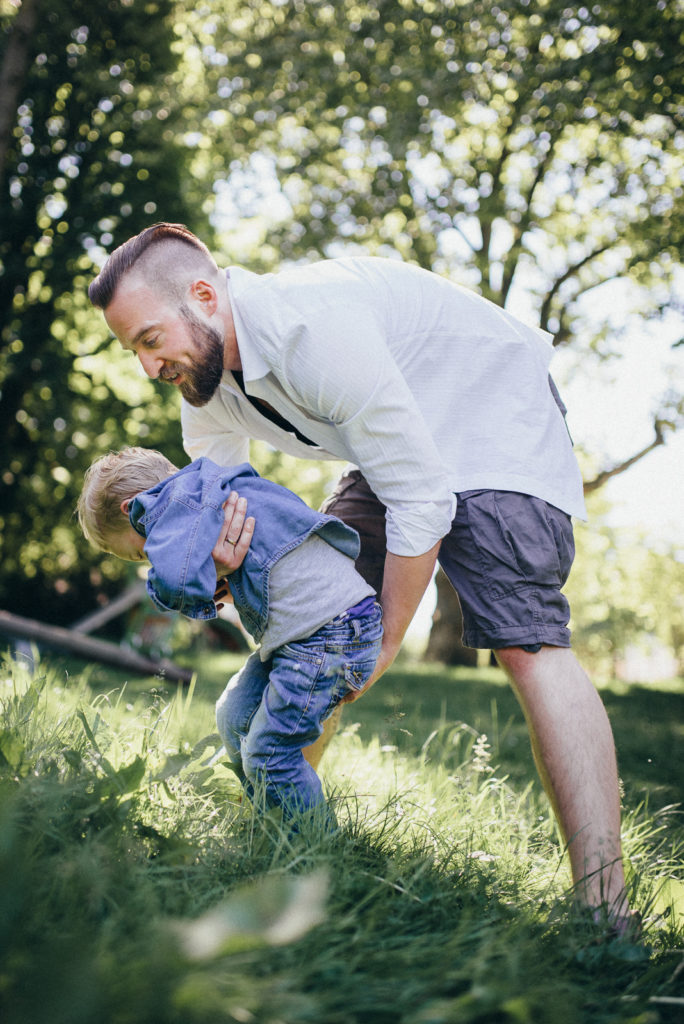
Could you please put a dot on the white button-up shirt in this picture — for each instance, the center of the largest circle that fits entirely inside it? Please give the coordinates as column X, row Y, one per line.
column 425, row 386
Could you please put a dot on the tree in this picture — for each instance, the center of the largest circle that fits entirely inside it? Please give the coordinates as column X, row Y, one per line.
column 89, row 153
column 624, row 593
column 531, row 151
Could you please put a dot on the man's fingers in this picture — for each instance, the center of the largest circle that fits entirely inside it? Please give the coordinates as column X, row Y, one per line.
column 234, row 519
column 245, row 539
column 235, row 537
column 353, row 695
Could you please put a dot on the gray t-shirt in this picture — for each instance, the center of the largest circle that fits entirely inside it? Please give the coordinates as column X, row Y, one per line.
column 308, row 587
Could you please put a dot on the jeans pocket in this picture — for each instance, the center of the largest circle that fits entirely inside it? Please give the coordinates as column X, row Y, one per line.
column 356, row 676
column 360, row 664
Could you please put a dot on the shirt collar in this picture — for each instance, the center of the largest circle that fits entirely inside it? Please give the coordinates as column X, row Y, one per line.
column 253, row 366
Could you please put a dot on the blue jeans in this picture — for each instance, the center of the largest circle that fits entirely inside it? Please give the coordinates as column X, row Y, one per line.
column 270, row 710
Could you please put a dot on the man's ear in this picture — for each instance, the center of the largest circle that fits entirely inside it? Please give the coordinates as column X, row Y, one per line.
column 125, row 506
column 204, row 293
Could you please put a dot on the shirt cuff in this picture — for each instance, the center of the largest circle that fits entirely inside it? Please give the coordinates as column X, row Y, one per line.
column 413, row 530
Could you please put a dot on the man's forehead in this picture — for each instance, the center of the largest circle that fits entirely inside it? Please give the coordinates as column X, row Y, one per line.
column 133, row 311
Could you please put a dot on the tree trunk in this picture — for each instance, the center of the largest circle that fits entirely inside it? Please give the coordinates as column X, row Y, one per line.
column 89, row 647
column 445, row 643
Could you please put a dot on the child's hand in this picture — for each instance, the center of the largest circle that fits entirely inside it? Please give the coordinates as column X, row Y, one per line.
column 234, row 539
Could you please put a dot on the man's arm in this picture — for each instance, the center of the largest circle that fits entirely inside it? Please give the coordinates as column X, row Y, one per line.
column 405, row 581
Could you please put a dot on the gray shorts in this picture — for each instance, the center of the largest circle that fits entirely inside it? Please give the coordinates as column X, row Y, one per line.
column 507, row 556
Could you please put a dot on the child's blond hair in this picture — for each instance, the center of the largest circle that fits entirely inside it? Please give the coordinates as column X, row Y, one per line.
column 112, row 479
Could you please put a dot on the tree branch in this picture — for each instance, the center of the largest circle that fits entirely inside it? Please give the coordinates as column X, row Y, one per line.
column 601, row 478
column 465, row 238
column 486, row 222
column 511, row 262
column 570, row 272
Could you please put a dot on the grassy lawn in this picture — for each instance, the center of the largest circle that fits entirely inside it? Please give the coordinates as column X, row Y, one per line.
column 136, row 887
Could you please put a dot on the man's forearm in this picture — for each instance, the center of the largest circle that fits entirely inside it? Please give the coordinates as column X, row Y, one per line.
column 405, row 582
column 403, row 586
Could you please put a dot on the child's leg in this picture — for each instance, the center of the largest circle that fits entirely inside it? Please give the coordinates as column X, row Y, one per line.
column 236, row 706
column 307, row 680
column 288, row 718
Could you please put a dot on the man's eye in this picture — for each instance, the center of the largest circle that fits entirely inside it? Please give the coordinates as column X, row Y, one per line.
column 150, row 342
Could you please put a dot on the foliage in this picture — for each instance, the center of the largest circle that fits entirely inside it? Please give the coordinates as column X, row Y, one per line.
column 91, row 157
column 623, row 592
column 312, row 480
column 486, row 141
column 127, row 861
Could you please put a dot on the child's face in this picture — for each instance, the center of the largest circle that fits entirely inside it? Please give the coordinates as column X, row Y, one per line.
column 128, row 544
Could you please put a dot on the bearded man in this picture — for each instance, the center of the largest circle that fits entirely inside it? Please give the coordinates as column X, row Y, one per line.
column 443, row 403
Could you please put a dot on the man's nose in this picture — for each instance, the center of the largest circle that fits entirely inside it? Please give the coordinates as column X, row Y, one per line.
column 150, row 363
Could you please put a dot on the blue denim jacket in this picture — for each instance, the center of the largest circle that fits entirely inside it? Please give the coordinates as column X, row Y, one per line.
column 181, row 519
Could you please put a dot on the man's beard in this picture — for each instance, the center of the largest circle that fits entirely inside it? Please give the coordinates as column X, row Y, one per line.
column 200, row 380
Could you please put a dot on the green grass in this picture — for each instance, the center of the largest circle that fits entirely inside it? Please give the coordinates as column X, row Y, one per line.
column 136, row 887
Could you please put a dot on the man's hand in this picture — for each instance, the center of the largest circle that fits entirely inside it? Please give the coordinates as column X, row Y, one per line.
column 232, row 544
column 403, row 586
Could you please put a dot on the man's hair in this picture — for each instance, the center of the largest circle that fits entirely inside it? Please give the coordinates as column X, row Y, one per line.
column 161, row 268
column 112, row 479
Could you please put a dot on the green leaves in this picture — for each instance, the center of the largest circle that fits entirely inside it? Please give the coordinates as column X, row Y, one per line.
column 532, row 152
column 489, row 142
column 11, row 749
column 91, row 155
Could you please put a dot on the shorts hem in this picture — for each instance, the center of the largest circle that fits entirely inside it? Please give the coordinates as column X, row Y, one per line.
column 551, row 638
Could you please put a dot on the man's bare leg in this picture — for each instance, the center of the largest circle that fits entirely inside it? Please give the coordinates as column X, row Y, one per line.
column 314, row 753
column 573, row 747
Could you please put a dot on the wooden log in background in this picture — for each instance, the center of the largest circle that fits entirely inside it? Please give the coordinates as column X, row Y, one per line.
column 90, row 647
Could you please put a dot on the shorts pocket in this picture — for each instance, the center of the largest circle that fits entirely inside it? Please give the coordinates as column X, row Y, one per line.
column 521, row 541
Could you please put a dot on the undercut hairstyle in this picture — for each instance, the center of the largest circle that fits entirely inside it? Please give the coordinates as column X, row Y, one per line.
column 166, row 255
column 114, row 478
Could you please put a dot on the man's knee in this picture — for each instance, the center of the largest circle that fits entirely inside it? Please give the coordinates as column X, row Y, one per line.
column 513, row 659
column 551, row 664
